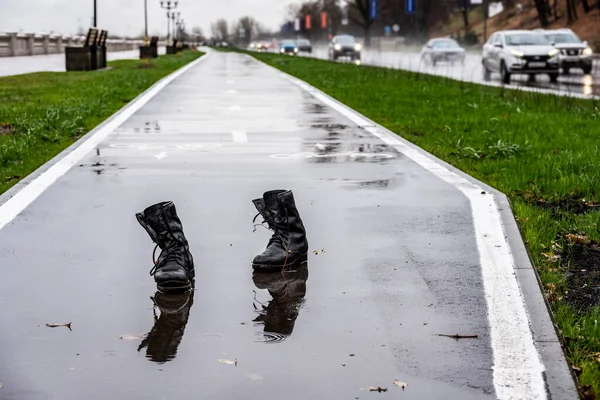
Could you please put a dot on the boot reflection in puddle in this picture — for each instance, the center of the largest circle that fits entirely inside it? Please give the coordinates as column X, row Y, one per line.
column 166, row 334
column 288, row 289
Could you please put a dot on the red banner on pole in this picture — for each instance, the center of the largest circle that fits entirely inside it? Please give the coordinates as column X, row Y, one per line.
column 308, row 22
column 323, row 20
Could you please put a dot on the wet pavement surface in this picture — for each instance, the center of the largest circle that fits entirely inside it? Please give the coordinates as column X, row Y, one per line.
column 393, row 260
column 54, row 62
column 576, row 83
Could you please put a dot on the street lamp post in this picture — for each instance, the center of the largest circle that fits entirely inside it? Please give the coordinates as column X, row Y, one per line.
column 174, row 15
column 145, row 22
column 168, row 5
column 95, row 14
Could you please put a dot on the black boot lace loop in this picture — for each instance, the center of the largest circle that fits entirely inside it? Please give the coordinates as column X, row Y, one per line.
column 171, row 253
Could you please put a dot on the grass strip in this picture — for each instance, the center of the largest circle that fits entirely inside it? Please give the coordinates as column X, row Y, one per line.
column 43, row 113
column 541, row 150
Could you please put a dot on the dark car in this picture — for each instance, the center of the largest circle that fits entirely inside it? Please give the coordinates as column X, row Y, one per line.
column 288, row 47
column 437, row 50
column 574, row 53
column 304, row 45
column 344, row 46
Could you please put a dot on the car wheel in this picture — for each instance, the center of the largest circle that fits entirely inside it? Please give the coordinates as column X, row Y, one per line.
column 504, row 74
column 566, row 71
column 433, row 61
column 487, row 74
column 587, row 70
column 553, row 77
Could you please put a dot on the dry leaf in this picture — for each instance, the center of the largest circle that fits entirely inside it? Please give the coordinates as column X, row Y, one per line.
column 132, row 336
column 578, row 238
column 400, row 384
column 228, row 362
column 60, row 325
column 374, row 389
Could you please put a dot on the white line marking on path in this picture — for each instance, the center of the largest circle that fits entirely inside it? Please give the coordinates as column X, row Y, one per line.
column 230, row 82
column 239, row 137
column 235, row 108
column 518, row 371
column 232, row 91
column 160, row 156
column 13, row 206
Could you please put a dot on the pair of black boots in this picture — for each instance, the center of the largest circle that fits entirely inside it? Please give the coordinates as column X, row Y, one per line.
column 174, row 272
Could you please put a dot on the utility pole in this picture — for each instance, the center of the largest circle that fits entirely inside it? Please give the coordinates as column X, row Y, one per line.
column 95, row 15
column 168, row 5
column 174, row 15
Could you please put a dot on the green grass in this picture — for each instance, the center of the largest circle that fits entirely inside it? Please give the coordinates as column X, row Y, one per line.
column 541, row 150
column 43, row 113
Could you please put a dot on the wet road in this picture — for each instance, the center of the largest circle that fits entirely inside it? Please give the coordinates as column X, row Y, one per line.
column 575, row 84
column 393, row 260
column 53, row 62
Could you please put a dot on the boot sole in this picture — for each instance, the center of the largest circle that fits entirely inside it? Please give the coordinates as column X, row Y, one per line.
column 276, row 268
column 175, row 287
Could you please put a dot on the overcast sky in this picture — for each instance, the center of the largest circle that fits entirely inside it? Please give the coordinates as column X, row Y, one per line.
column 126, row 17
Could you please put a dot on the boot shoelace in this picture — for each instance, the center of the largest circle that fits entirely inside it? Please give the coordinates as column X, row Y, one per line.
column 278, row 229
column 171, row 253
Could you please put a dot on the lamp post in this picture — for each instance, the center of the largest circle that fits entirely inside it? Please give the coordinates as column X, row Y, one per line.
column 168, row 5
column 145, row 22
column 95, row 14
column 174, row 15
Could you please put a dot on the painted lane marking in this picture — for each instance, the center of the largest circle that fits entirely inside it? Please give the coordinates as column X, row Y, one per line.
column 160, row 156
column 517, row 370
column 232, row 91
column 235, row 108
column 239, row 137
column 230, row 82
column 159, row 146
column 16, row 204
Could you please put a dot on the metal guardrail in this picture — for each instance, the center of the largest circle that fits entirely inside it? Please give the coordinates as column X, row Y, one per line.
column 30, row 44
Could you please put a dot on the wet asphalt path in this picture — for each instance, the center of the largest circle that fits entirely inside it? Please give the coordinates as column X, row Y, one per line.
column 576, row 83
column 54, row 62
column 396, row 260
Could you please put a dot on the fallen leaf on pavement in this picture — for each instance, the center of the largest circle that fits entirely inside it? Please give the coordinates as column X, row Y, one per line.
column 459, row 336
column 132, row 336
column 228, row 362
column 400, row 384
column 374, row 389
column 60, row 325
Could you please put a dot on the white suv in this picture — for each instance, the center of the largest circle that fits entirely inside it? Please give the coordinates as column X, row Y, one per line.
column 519, row 52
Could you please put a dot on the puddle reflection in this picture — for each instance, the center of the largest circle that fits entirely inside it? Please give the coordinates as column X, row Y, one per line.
column 163, row 340
column 278, row 316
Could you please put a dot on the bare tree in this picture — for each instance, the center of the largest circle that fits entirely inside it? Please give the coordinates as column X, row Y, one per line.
column 220, row 30
column 359, row 12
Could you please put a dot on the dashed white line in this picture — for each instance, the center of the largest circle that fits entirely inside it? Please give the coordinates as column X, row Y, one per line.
column 160, row 156
column 239, row 136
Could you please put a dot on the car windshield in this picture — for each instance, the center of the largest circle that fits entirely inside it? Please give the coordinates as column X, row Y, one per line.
column 526, row 39
column 345, row 40
column 562, row 38
column 288, row 43
column 445, row 44
column 303, row 42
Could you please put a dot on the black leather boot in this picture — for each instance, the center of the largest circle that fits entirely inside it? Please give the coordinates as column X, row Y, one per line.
column 174, row 270
column 163, row 340
column 288, row 245
column 288, row 289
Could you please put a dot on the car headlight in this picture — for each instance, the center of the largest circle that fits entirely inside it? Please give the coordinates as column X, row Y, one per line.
column 553, row 52
column 357, row 47
column 337, row 47
column 587, row 52
column 516, row 53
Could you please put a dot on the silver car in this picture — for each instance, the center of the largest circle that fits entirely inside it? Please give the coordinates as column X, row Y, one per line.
column 574, row 53
column 437, row 50
column 519, row 52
